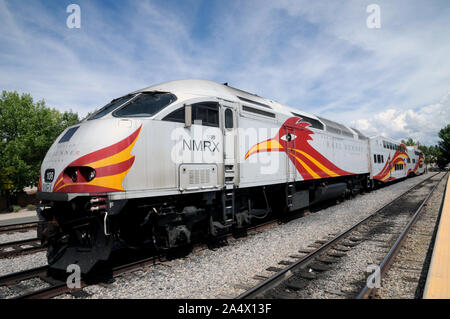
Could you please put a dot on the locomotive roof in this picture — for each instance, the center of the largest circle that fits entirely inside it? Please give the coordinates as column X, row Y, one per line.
column 211, row 88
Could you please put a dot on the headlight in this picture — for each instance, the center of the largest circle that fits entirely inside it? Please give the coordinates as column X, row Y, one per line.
column 87, row 172
column 91, row 175
column 72, row 172
column 81, row 174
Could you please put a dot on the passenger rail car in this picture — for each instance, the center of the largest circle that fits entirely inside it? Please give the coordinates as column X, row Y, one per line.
column 190, row 159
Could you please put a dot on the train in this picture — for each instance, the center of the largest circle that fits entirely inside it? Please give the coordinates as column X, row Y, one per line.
column 189, row 160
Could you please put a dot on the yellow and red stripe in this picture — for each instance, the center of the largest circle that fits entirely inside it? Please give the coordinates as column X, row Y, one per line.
column 111, row 164
column 310, row 163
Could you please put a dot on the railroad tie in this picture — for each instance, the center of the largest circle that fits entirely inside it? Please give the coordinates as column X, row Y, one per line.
column 341, row 248
column 274, row 269
column 296, row 285
column 349, row 243
column 336, row 254
column 286, row 262
column 318, row 266
column 327, row 260
column 306, row 250
column 307, row 275
column 260, row 277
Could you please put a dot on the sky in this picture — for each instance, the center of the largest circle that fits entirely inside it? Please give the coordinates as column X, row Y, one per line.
column 317, row 56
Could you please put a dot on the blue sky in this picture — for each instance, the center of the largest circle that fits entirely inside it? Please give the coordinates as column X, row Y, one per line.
column 318, row 56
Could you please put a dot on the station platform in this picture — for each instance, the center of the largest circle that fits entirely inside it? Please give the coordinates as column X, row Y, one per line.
column 438, row 280
column 18, row 218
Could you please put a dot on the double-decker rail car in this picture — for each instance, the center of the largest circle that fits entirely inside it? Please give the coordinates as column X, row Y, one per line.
column 184, row 160
column 417, row 166
column 390, row 160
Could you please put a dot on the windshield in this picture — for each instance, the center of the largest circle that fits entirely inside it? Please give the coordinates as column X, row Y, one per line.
column 146, row 104
column 114, row 104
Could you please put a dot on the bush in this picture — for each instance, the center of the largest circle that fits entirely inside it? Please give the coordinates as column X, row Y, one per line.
column 31, row 207
column 16, row 208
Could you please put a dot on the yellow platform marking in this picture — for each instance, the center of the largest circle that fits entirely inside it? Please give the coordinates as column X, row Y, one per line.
column 438, row 279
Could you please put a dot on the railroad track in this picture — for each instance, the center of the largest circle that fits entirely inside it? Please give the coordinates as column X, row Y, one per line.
column 17, row 227
column 289, row 282
column 54, row 287
column 425, row 232
column 20, row 247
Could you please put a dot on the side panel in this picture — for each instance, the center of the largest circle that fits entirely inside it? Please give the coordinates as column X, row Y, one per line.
column 261, row 168
column 281, row 148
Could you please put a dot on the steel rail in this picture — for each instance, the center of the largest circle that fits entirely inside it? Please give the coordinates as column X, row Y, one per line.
column 388, row 260
column 58, row 287
column 61, row 287
column 287, row 272
column 18, row 249
column 23, row 275
column 17, row 227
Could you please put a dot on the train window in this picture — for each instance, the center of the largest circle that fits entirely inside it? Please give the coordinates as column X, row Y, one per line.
column 228, row 119
column 384, row 144
column 66, row 137
column 379, row 158
column 207, row 112
column 257, row 111
column 146, row 104
column 254, row 102
column 374, row 158
column 314, row 123
column 114, row 104
column 382, row 158
column 176, row 116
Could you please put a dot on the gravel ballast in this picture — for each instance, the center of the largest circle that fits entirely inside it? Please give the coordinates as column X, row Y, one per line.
column 222, row 273
column 19, row 235
column 407, row 276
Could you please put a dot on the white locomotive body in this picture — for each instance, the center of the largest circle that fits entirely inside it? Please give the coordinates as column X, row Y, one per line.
column 191, row 159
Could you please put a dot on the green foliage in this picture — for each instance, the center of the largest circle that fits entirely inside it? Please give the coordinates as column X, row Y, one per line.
column 410, row 142
column 439, row 154
column 430, row 152
column 27, row 130
column 31, row 207
column 15, row 208
column 444, row 146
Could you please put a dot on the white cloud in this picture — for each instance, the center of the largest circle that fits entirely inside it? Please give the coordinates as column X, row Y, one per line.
column 422, row 124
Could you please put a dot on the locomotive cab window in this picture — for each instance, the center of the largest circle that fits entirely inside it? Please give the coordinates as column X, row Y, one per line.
column 146, row 105
column 176, row 116
column 228, row 119
column 111, row 106
column 207, row 113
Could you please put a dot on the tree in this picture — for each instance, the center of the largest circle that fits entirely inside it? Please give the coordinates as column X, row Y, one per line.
column 410, row 142
column 27, row 130
column 444, row 146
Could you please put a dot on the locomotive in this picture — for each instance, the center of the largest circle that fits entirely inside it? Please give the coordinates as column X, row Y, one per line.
column 193, row 159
